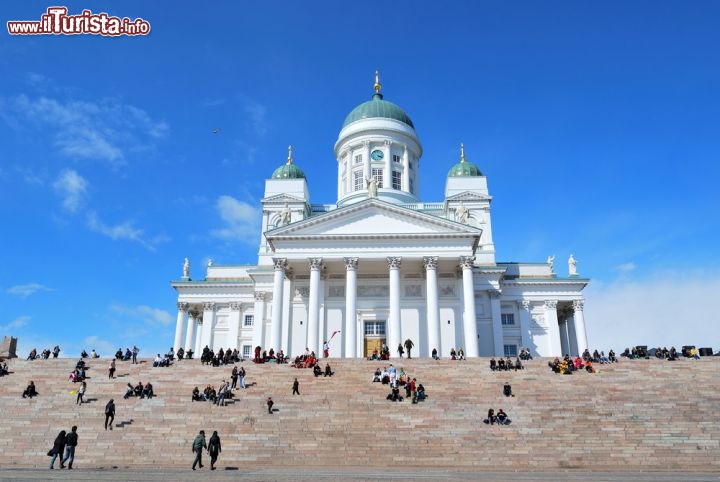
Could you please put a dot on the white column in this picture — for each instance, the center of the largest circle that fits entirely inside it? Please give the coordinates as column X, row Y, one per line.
column 496, row 310
column 208, row 331
column 554, row 329
column 235, row 320
column 469, row 321
column 525, row 319
column 366, row 160
column 258, row 320
column 180, row 325
column 314, row 305
column 581, row 334
column 190, row 335
column 572, row 337
column 394, row 322
column 433, row 312
column 564, row 345
column 388, row 166
column 198, row 339
column 350, row 332
column 406, row 172
column 277, row 303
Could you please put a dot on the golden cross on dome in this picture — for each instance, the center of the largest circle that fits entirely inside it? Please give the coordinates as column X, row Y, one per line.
column 377, row 85
column 462, row 152
column 290, row 159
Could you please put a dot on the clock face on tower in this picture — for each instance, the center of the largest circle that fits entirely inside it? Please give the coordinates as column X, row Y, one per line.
column 377, row 155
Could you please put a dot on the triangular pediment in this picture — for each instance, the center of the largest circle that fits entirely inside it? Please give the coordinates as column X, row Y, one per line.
column 468, row 196
column 282, row 198
column 373, row 218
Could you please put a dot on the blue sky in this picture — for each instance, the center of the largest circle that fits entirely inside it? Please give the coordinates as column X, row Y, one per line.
column 597, row 125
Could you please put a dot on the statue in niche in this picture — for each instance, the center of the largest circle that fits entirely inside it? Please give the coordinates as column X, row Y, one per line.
column 285, row 215
column 186, row 268
column 462, row 213
column 372, row 186
column 572, row 266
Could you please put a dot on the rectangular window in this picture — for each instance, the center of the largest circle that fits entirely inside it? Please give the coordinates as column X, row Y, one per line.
column 358, row 181
column 410, row 165
column 396, row 158
column 374, row 328
column 247, row 349
column 507, row 318
column 510, row 350
column 249, row 320
column 377, row 174
column 396, row 180
column 358, row 159
column 412, row 187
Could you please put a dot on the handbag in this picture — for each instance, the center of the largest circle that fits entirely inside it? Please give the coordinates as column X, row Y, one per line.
column 51, row 452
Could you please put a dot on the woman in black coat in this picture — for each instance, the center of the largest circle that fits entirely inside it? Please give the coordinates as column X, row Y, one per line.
column 58, row 449
column 214, row 449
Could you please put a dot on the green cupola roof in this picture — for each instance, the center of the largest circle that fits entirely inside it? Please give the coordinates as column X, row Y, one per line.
column 288, row 170
column 464, row 168
column 378, row 108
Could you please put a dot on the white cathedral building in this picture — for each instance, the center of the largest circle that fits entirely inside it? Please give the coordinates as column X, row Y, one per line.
column 379, row 265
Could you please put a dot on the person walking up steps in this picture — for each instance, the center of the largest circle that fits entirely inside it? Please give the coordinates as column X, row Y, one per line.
column 197, row 447
column 296, row 387
column 58, row 448
column 214, row 449
column 81, row 393
column 109, row 414
column 409, row 346
column 71, row 441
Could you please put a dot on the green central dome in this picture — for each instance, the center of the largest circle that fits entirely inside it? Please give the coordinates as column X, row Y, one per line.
column 288, row 170
column 378, row 108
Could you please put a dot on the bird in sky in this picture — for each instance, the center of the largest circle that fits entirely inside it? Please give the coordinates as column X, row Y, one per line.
column 216, row 130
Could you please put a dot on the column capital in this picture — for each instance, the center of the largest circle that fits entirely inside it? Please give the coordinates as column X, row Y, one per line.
column 315, row 263
column 578, row 305
column 182, row 306
column 550, row 304
column 494, row 294
column 430, row 262
column 236, row 306
column 394, row 262
column 280, row 264
column 259, row 296
column 524, row 304
column 209, row 306
column 467, row 261
column 351, row 263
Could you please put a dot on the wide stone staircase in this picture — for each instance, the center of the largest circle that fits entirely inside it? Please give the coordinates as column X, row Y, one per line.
column 637, row 414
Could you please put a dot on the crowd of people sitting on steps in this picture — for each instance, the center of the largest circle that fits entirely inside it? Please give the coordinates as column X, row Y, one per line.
column 222, row 357
column 499, row 418
column 505, row 364
column 210, row 394
column 390, row 376
column 139, row 390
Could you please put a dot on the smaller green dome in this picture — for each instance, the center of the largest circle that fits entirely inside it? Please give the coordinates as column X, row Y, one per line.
column 288, row 170
column 464, row 168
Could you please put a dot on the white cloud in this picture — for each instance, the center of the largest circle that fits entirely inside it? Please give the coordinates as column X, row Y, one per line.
column 71, row 186
column 15, row 324
column 241, row 220
column 626, row 267
column 123, row 231
column 145, row 313
column 85, row 130
column 26, row 290
column 665, row 309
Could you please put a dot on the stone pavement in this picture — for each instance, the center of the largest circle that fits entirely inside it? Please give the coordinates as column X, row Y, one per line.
column 304, row 474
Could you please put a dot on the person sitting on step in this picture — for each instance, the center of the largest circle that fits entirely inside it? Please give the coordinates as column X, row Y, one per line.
column 196, row 395
column 30, row 390
column 394, row 395
column 129, row 391
column 420, row 392
column 502, row 418
column 377, row 376
column 147, row 391
column 316, row 370
column 493, row 364
column 461, row 354
column 490, row 420
column 518, row 364
column 138, row 389
column 453, row 354
column 501, row 364
column 328, row 371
